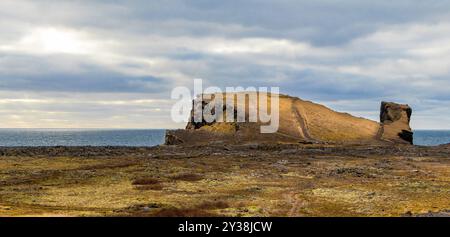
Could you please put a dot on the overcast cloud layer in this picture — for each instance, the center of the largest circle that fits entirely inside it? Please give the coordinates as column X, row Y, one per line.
column 97, row 64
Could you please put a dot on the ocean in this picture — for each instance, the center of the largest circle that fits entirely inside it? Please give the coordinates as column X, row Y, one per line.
column 81, row 137
column 431, row 137
column 137, row 137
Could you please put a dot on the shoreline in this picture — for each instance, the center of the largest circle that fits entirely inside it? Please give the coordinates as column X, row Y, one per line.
column 443, row 149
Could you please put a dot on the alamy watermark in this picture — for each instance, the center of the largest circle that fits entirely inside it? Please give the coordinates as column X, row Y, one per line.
column 237, row 104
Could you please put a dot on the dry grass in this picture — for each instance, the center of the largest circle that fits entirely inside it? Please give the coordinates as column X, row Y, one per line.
column 187, row 177
column 212, row 205
column 145, row 181
column 245, row 184
column 180, row 212
column 149, row 187
column 227, row 128
column 328, row 125
column 111, row 165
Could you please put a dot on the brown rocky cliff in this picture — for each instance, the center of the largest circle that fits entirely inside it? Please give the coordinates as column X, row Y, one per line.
column 394, row 119
column 304, row 122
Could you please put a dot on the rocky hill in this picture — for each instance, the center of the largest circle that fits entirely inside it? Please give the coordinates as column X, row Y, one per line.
column 300, row 121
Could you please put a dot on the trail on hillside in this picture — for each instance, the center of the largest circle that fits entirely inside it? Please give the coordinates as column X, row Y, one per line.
column 294, row 202
column 301, row 120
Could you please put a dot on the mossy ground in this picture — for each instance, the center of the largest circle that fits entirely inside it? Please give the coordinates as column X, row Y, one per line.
column 248, row 183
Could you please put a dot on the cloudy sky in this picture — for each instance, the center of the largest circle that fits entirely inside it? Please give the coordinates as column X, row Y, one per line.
column 113, row 64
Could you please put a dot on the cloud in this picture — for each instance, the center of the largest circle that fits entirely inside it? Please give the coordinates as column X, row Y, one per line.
column 70, row 62
column 80, row 110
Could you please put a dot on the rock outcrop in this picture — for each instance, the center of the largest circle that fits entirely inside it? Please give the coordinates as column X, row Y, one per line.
column 301, row 121
column 394, row 119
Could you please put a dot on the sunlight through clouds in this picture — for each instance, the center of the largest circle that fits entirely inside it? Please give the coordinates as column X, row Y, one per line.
column 52, row 41
column 111, row 55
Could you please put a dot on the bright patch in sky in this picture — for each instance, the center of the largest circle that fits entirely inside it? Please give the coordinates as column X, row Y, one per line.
column 94, row 63
column 55, row 41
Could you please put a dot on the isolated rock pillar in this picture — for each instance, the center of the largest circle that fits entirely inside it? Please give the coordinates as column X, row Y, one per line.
column 394, row 119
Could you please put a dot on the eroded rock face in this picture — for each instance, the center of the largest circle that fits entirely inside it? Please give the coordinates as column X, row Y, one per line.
column 172, row 138
column 302, row 121
column 394, row 119
column 299, row 122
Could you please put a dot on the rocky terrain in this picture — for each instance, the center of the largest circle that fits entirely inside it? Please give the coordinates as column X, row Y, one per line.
column 300, row 121
column 226, row 180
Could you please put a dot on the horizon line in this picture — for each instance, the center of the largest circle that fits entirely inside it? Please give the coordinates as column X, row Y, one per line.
column 4, row 128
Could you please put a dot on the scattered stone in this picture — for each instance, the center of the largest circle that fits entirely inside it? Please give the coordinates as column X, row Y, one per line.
column 351, row 171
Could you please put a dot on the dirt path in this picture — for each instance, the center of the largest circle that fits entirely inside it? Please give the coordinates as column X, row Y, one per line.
column 301, row 120
column 294, row 202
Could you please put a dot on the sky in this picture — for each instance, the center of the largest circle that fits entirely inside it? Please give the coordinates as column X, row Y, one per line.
column 113, row 64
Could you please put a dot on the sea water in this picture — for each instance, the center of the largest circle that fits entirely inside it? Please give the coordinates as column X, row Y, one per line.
column 81, row 137
column 431, row 137
column 137, row 137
